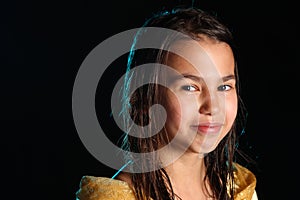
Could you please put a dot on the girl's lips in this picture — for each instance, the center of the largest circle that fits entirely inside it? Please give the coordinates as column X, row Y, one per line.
column 208, row 128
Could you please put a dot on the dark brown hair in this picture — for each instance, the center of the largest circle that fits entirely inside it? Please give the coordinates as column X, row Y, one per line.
column 219, row 163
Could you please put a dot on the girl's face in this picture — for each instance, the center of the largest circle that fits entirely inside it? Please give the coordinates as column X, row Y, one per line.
column 201, row 103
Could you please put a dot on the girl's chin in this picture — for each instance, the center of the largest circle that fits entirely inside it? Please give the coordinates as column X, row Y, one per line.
column 204, row 148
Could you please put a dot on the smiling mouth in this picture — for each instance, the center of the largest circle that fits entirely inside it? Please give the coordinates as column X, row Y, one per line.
column 208, row 128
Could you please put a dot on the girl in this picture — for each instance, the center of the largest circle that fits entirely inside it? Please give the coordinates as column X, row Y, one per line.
column 186, row 150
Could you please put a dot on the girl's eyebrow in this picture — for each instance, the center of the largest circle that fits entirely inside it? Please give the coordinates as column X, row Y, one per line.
column 200, row 79
column 228, row 77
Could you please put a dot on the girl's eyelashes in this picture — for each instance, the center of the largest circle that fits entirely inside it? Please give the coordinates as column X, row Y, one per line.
column 190, row 88
column 199, row 87
column 194, row 88
column 224, row 87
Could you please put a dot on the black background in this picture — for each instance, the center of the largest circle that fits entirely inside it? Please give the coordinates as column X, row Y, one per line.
column 43, row 44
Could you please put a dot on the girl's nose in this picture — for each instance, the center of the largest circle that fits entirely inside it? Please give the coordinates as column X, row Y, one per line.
column 208, row 103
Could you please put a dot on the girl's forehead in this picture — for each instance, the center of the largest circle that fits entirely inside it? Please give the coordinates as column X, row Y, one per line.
column 203, row 58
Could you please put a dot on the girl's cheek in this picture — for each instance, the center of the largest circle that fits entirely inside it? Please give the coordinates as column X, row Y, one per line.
column 232, row 109
column 172, row 105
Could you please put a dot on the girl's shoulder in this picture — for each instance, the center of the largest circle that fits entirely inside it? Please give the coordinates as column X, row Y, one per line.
column 98, row 188
column 244, row 182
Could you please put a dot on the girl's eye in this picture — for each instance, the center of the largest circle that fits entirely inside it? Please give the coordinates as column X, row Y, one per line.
column 224, row 87
column 189, row 88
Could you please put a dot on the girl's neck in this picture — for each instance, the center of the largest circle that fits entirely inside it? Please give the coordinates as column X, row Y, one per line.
column 188, row 169
column 187, row 176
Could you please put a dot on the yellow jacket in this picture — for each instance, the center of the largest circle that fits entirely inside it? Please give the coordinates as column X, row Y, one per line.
column 103, row 188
